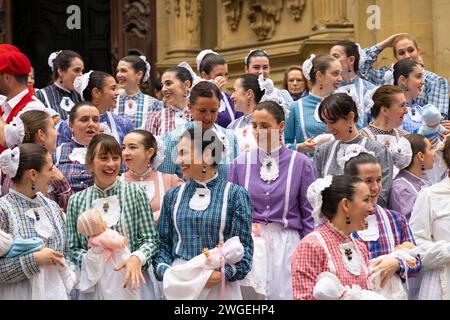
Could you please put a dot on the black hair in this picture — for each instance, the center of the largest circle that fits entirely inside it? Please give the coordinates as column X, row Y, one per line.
column 181, row 74
column 32, row 157
column 157, row 84
column 204, row 89
column 22, row 79
column 274, row 109
column 249, row 81
column 337, row 106
column 254, row 54
column 148, row 140
column 351, row 50
column 137, row 64
column 210, row 141
column 404, row 68
column 210, row 61
column 108, row 145
column 352, row 166
column 418, row 144
column 73, row 112
column 343, row 187
column 63, row 61
column 96, row 80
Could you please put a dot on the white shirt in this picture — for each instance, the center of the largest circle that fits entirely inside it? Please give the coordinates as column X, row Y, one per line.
column 429, row 223
column 9, row 105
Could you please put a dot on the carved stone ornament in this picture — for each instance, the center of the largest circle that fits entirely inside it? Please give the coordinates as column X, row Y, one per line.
column 296, row 8
column 137, row 15
column 263, row 16
column 233, row 13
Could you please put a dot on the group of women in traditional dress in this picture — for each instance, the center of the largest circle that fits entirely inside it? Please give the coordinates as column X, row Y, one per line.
column 319, row 190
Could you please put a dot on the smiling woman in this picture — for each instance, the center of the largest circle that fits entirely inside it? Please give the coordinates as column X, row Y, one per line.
column 128, row 211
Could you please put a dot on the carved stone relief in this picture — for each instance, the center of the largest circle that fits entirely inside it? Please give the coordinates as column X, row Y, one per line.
column 296, row 8
column 137, row 17
column 263, row 16
column 233, row 13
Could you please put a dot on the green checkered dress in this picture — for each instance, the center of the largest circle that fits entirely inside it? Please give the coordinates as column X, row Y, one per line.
column 136, row 220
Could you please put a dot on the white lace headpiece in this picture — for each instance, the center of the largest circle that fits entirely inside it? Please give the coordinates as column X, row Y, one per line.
column 271, row 94
column 402, row 153
column 440, row 153
column 389, row 77
column 9, row 161
column 52, row 58
column 14, row 132
column 352, row 151
column 81, row 83
column 314, row 196
column 308, row 66
column 201, row 56
column 362, row 57
column 147, row 70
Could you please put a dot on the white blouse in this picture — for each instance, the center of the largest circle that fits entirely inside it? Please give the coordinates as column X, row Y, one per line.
column 429, row 223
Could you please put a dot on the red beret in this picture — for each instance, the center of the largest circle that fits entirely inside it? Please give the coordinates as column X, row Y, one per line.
column 4, row 47
column 14, row 62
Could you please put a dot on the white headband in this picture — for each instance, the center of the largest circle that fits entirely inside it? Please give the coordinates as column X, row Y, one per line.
column 402, row 153
column 271, row 94
column 9, row 161
column 159, row 157
column 81, row 83
column 148, row 69
column 308, row 66
column 201, row 56
column 52, row 58
column 250, row 53
column 352, row 151
column 314, row 196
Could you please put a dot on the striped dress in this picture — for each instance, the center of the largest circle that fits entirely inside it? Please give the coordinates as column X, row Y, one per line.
column 52, row 97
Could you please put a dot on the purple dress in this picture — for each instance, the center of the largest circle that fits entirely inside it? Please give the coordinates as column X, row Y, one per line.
column 229, row 114
column 296, row 173
column 405, row 188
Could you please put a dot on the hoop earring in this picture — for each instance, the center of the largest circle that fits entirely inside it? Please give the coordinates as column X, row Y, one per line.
column 347, row 220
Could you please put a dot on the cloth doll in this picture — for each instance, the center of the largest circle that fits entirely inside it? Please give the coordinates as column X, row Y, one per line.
column 187, row 281
column 432, row 123
column 107, row 252
column 329, row 287
column 52, row 282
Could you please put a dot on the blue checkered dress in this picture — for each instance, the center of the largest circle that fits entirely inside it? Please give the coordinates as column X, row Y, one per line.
column 138, row 114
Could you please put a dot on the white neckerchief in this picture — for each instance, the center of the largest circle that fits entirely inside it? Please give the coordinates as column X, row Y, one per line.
column 164, row 130
column 334, row 154
column 223, row 213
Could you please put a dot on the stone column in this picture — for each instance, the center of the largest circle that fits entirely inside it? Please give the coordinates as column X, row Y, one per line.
column 184, row 27
column 330, row 14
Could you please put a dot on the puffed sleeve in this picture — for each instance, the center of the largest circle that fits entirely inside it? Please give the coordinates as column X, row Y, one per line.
column 164, row 258
column 289, row 130
column 13, row 270
column 241, row 226
column 434, row 254
column 308, row 176
column 308, row 261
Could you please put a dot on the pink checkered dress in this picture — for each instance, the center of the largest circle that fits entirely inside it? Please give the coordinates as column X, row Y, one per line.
column 311, row 259
column 166, row 120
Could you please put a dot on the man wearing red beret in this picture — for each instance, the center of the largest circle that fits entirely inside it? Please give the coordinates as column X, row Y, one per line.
column 14, row 70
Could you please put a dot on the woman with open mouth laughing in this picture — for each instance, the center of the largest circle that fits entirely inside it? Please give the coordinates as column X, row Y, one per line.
column 70, row 157
column 100, row 89
column 142, row 154
column 386, row 229
column 340, row 114
column 126, row 208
